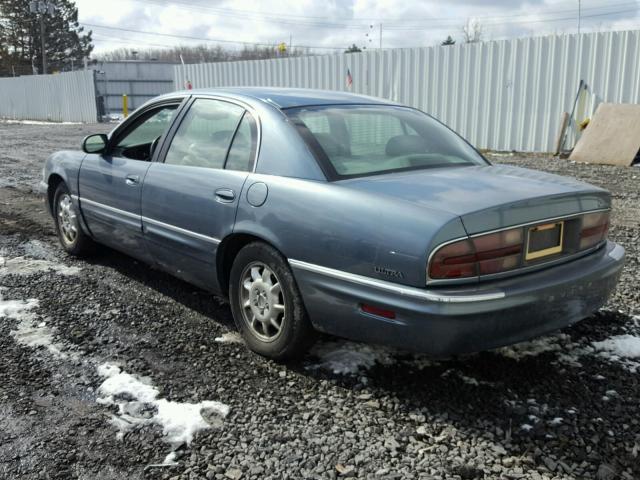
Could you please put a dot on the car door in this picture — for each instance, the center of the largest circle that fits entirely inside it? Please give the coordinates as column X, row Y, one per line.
column 110, row 183
column 190, row 195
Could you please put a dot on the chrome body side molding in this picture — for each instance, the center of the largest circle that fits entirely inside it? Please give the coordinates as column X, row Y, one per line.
column 402, row 290
column 143, row 220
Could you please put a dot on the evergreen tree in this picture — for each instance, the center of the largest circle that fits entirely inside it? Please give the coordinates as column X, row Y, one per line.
column 14, row 38
column 66, row 44
column 353, row 49
column 448, row 41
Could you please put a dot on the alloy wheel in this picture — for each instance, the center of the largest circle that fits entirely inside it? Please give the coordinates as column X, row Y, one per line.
column 67, row 219
column 262, row 301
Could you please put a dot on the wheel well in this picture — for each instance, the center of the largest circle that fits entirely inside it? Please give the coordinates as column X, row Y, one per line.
column 227, row 252
column 53, row 182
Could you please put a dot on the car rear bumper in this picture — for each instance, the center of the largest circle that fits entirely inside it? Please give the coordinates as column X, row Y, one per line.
column 466, row 319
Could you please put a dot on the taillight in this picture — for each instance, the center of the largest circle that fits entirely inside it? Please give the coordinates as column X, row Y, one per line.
column 503, row 251
column 594, row 229
column 483, row 255
column 456, row 260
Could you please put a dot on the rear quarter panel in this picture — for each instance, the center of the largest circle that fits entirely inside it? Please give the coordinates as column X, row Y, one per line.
column 333, row 226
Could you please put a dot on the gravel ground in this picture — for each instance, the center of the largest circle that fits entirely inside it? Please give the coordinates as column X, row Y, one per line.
column 558, row 407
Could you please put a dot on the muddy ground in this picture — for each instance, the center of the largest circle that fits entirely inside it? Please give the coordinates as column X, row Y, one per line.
column 558, row 407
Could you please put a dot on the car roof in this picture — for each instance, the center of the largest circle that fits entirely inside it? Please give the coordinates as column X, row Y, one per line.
column 291, row 97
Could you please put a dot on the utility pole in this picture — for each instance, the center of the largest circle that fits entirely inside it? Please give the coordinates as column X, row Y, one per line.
column 43, row 46
column 579, row 15
column 42, row 7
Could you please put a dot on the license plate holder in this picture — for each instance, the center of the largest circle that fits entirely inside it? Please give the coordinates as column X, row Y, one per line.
column 544, row 240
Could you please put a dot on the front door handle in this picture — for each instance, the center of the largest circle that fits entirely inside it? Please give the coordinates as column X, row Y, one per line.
column 225, row 195
column 132, row 180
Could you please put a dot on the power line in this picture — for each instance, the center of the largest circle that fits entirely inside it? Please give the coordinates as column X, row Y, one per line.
column 201, row 39
column 126, row 42
column 280, row 19
column 392, row 27
column 522, row 22
column 328, row 22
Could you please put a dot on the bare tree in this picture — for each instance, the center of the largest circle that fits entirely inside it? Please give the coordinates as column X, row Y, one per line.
column 197, row 53
column 472, row 31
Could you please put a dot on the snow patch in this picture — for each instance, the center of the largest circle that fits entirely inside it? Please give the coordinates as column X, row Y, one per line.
column 138, row 404
column 37, row 122
column 39, row 250
column 349, row 358
column 37, row 335
column 27, row 266
column 119, row 383
column 170, row 459
column 565, row 349
column 229, row 337
column 29, row 331
column 343, row 357
column 626, row 346
column 465, row 378
column 623, row 349
column 420, row 361
column 538, row 346
column 8, row 182
column 17, row 309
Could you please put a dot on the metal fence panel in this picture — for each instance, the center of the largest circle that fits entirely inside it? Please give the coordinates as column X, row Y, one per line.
column 139, row 80
column 63, row 97
column 501, row 95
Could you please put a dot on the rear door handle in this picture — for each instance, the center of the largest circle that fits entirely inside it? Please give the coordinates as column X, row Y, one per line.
column 225, row 195
column 132, row 180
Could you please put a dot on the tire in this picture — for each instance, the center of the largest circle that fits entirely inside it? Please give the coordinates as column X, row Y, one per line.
column 70, row 234
column 259, row 307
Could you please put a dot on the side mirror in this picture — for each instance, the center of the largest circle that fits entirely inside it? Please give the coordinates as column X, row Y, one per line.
column 95, row 143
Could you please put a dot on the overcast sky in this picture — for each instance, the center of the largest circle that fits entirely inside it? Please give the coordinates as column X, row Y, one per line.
column 339, row 23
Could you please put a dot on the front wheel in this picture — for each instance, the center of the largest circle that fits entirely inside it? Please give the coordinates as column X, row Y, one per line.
column 266, row 304
column 70, row 234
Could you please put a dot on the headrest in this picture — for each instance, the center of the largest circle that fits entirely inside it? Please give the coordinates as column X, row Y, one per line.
column 405, row 145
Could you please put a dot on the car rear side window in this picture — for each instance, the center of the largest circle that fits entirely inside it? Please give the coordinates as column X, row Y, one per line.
column 204, row 135
column 243, row 148
column 372, row 139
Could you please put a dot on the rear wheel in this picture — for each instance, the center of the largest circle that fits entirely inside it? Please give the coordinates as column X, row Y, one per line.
column 266, row 304
column 70, row 234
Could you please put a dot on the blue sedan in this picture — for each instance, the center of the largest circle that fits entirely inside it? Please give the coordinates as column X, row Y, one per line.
column 326, row 211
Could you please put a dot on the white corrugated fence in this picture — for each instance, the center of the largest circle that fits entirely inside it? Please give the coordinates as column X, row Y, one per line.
column 62, row 97
column 500, row 95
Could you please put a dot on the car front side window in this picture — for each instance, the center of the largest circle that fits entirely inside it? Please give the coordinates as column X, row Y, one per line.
column 137, row 142
column 205, row 134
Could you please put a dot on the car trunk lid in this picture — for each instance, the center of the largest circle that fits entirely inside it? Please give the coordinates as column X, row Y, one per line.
column 488, row 197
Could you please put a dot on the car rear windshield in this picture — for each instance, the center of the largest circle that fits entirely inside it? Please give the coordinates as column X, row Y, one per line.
column 354, row 140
